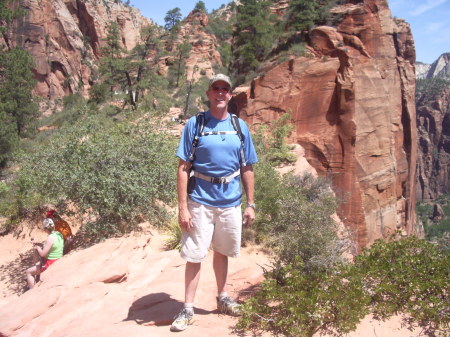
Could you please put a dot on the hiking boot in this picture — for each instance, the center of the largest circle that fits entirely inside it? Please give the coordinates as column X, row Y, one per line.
column 227, row 306
column 182, row 320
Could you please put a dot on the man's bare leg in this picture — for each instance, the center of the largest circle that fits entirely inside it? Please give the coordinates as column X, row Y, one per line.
column 220, row 265
column 191, row 278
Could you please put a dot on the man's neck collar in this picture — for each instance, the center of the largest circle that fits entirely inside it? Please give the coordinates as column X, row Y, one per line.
column 219, row 114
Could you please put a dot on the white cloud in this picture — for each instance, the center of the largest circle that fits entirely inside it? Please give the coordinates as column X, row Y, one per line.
column 434, row 27
column 426, row 6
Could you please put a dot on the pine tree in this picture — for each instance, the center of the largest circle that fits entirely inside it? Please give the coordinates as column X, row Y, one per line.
column 253, row 36
column 201, row 6
column 17, row 109
column 172, row 18
column 7, row 14
column 182, row 54
column 113, row 64
column 142, row 74
column 303, row 14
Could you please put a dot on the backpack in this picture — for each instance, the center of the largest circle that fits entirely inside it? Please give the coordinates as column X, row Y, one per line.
column 200, row 125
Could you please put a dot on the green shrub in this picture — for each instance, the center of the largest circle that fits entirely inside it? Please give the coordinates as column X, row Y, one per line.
column 439, row 230
column 8, row 205
column 118, row 174
column 99, row 93
column 405, row 276
column 430, row 86
column 303, row 225
column 410, row 276
column 273, row 145
column 293, row 303
column 268, row 189
column 75, row 107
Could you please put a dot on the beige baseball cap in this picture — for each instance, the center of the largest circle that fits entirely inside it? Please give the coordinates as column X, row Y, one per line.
column 220, row 77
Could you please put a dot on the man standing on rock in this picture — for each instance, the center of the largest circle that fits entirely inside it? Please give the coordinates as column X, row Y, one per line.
column 216, row 154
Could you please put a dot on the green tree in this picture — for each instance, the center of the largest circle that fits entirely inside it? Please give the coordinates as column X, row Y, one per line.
column 172, row 18
column 9, row 138
column 131, row 71
column 7, row 14
column 201, row 6
column 303, row 14
column 180, row 63
column 254, row 35
column 113, row 63
column 17, row 109
column 143, row 61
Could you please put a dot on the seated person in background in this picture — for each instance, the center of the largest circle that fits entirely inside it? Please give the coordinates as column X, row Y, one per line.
column 49, row 253
column 63, row 227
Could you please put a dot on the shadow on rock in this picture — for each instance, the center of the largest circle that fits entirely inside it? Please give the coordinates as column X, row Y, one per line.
column 157, row 309
column 13, row 272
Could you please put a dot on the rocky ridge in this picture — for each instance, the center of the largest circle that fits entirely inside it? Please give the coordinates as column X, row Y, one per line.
column 433, row 125
column 65, row 37
column 353, row 109
column 438, row 69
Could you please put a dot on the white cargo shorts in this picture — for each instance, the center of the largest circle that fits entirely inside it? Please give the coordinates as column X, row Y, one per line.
column 218, row 228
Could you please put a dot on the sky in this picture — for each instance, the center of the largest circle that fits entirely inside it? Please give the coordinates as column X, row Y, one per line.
column 429, row 20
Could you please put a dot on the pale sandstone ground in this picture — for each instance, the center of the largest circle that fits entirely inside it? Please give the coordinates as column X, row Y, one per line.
column 130, row 287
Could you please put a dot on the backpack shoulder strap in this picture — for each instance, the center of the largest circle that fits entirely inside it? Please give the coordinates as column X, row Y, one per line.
column 237, row 127
column 199, row 126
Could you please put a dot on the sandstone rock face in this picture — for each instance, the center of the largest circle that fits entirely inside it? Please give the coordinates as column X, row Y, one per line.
column 433, row 125
column 64, row 38
column 204, row 53
column 354, row 114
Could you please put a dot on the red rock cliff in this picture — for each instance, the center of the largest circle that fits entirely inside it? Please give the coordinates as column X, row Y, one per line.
column 433, row 119
column 64, row 38
column 354, row 112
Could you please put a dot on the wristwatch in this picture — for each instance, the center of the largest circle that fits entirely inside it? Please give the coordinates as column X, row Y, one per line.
column 251, row 205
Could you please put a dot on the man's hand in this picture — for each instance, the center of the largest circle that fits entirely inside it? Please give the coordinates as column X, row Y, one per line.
column 249, row 216
column 185, row 220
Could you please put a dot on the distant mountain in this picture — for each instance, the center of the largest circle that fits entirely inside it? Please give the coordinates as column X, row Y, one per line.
column 439, row 69
column 422, row 70
column 433, row 128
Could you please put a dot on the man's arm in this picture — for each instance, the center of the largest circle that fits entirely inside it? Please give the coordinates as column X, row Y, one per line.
column 184, row 217
column 248, row 180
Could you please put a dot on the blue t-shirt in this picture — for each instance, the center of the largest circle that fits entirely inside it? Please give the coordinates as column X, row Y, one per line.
column 217, row 156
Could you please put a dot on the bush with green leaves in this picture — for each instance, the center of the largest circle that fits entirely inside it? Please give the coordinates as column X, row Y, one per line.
column 435, row 230
column 407, row 276
column 273, row 144
column 8, row 206
column 119, row 174
column 294, row 303
column 303, row 225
